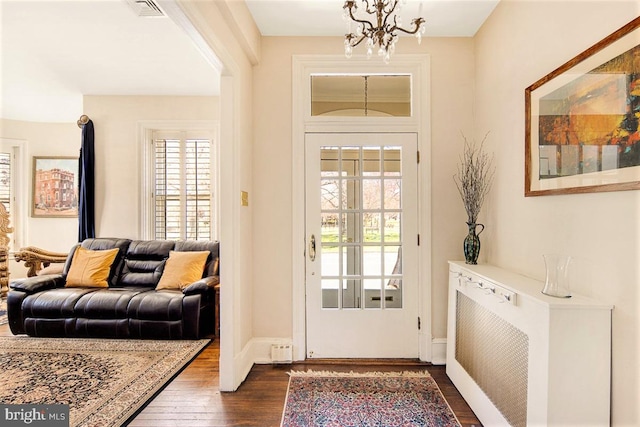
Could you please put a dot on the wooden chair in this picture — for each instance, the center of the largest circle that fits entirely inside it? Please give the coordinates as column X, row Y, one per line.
column 35, row 259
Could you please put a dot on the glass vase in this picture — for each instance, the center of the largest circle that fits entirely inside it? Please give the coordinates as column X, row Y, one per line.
column 556, row 283
column 472, row 243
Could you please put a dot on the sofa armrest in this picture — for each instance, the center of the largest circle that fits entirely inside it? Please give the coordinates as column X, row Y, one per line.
column 202, row 286
column 31, row 285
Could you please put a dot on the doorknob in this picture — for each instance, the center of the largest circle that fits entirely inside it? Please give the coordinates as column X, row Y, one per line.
column 312, row 248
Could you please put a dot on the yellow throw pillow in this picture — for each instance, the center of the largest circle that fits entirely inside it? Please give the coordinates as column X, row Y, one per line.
column 90, row 268
column 182, row 269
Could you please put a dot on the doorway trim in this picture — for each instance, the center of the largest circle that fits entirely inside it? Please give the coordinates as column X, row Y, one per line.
column 303, row 66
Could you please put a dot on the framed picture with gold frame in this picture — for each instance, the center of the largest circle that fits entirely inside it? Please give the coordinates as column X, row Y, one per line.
column 55, row 187
column 582, row 130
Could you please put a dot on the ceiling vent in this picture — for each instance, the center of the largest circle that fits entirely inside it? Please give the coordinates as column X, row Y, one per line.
column 145, row 8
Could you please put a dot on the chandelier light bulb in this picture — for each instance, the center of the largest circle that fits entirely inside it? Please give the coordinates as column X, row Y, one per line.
column 381, row 28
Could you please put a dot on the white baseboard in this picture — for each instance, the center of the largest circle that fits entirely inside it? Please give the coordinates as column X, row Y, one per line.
column 439, row 351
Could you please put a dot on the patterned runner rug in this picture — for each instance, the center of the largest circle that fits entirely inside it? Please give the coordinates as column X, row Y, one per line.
column 104, row 382
column 323, row 399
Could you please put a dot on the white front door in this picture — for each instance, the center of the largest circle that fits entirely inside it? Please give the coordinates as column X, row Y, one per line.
column 362, row 245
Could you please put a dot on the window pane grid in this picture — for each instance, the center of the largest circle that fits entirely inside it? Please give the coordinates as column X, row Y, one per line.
column 361, row 215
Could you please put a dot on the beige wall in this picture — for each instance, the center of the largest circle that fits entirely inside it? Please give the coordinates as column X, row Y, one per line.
column 42, row 139
column 600, row 230
column 45, row 139
column 117, row 151
column 451, row 113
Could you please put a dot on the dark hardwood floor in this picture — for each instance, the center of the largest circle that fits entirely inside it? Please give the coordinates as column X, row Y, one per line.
column 193, row 398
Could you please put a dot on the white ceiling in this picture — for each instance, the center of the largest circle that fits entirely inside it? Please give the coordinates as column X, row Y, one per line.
column 56, row 51
column 444, row 18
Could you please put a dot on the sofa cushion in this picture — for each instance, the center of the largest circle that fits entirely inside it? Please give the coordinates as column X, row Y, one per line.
column 182, row 269
column 90, row 268
column 144, row 262
column 54, row 303
column 156, row 305
column 109, row 303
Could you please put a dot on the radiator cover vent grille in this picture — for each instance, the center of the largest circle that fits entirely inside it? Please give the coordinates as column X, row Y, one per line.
column 496, row 355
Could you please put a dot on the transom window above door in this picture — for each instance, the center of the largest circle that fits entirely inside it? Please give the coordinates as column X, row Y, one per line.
column 374, row 95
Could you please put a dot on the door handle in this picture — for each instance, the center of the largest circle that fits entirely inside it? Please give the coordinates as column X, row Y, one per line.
column 312, row 248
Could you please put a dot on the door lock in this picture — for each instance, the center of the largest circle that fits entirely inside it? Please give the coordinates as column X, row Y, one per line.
column 312, row 248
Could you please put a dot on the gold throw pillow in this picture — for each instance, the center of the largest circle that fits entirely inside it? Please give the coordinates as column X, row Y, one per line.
column 182, row 269
column 90, row 268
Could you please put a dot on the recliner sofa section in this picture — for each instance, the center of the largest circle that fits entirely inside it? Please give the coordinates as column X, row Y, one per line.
column 130, row 307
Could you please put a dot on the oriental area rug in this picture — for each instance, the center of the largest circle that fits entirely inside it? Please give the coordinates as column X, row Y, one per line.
column 104, row 382
column 3, row 312
column 389, row 399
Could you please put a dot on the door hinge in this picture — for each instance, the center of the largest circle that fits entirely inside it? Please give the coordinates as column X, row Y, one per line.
column 418, row 156
column 418, row 240
column 419, row 323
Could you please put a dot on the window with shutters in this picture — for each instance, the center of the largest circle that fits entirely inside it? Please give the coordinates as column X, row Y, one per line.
column 5, row 180
column 13, row 190
column 182, row 205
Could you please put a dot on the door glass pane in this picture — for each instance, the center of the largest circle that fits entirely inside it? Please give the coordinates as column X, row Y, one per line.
column 351, row 293
column 392, row 161
column 350, row 161
column 392, row 227
column 373, row 293
column 329, row 194
column 330, row 293
column 371, row 193
column 329, row 227
column 372, row 227
column 392, row 189
column 351, row 228
column 372, row 265
column 351, row 194
column 330, row 261
column 351, row 261
column 371, row 160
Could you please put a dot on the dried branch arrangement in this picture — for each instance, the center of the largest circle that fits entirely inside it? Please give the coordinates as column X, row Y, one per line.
column 474, row 177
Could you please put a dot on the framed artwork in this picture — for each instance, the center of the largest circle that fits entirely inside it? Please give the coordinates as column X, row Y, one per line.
column 582, row 130
column 55, row 187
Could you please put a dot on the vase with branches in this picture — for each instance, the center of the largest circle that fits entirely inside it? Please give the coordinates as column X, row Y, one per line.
column 473, row 180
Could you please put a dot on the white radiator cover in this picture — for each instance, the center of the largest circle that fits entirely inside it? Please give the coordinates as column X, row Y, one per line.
column 521, row 358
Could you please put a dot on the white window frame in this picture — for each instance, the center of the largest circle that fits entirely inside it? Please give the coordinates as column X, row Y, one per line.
column 19, row 211
column 145, row 136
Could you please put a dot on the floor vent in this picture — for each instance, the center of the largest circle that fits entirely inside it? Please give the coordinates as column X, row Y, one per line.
column 145, row 8
column 281, row 353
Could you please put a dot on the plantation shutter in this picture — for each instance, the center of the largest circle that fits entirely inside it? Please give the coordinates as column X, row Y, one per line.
column 182, row 186
column 5, row 180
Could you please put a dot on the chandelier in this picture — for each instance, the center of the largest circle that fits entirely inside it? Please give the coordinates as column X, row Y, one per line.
column 383, row 31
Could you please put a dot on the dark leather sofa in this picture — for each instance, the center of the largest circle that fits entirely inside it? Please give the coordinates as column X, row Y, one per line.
column 130, row 307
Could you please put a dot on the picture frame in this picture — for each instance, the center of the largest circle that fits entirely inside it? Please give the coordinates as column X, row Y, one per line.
column 55, row 187
column 582, row 121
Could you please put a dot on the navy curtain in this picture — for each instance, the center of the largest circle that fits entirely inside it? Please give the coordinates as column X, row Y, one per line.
column 86, row 192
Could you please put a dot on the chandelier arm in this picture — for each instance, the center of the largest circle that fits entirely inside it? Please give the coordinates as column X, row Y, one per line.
column 358, row 42
column 415, row 30
column 368, row 8
column 361, row 21
column 390, row 11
